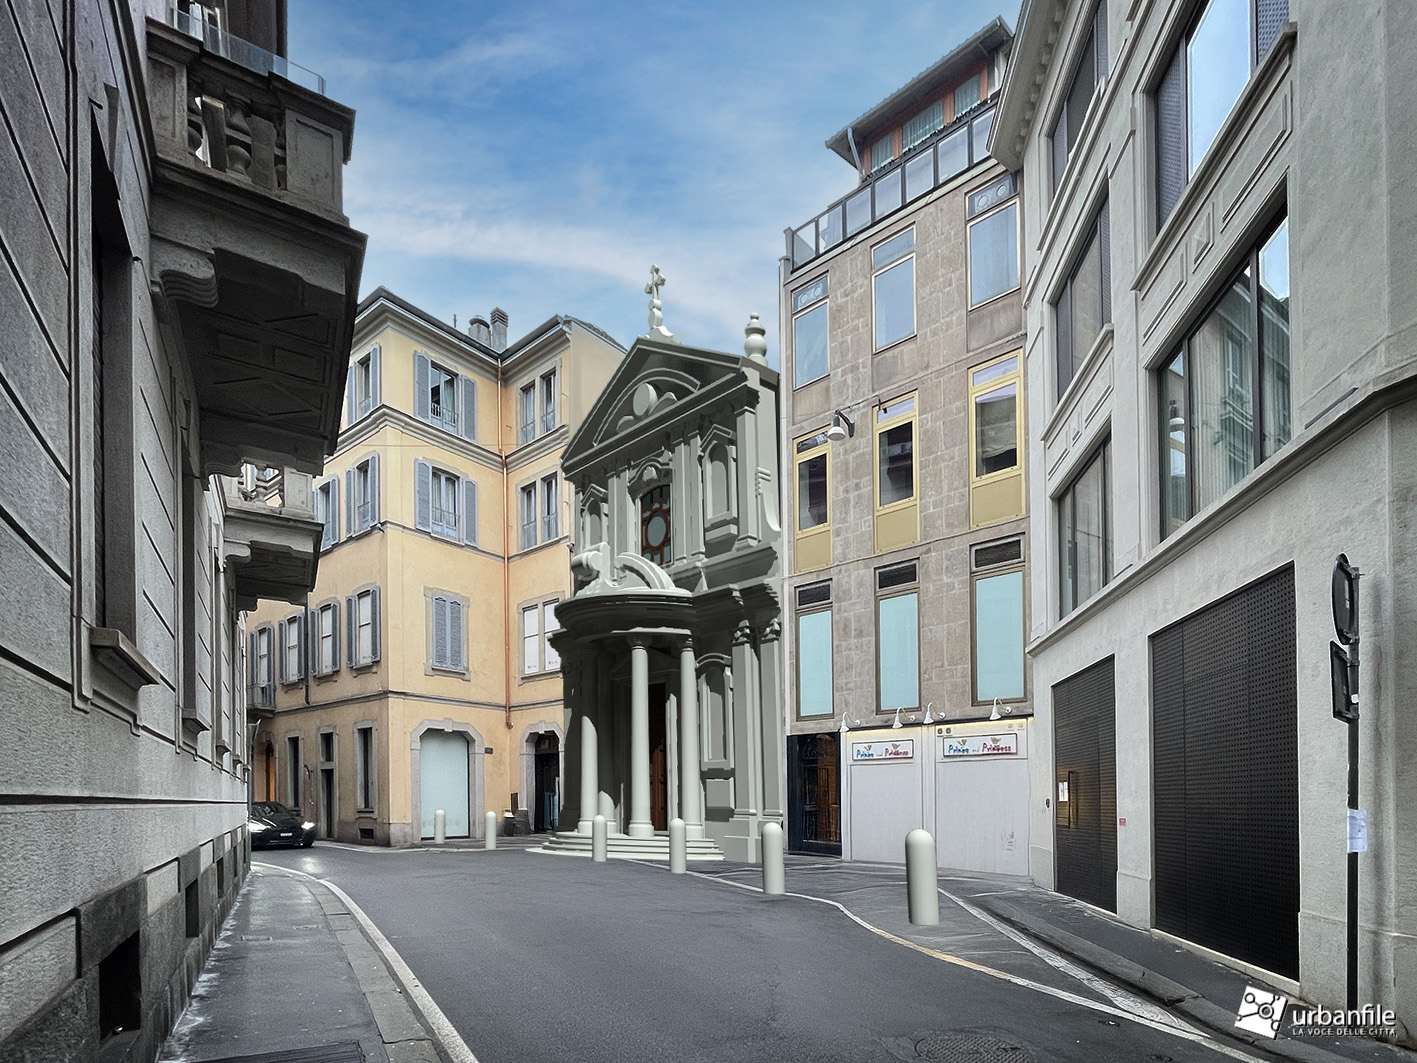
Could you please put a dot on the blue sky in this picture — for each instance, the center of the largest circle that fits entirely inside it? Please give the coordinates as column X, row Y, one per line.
column 540, row 156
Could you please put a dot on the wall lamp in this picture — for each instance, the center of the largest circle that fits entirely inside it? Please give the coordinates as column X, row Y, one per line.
column 841, row 427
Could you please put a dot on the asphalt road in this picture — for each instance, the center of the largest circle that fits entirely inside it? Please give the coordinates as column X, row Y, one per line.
column 539, row 957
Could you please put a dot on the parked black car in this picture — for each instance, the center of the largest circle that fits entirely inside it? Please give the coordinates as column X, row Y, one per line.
column 272, row 823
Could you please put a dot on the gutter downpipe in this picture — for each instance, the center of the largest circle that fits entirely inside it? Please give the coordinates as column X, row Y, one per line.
column 856, row 157
column 506, row 557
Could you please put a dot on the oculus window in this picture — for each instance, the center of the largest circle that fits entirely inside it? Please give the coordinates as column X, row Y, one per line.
column 655, row 525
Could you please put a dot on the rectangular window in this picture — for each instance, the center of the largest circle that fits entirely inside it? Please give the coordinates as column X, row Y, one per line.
column 1213, row 62
column 327, row 511
column 998, row 636
column 445, row 504
column 882, row 151
column 526, row 414
column 363, row 627
column 920, row 127
column 293, row 771
column 1224, row 396
column 809, row 333
column 548, row 625
column 897, row 639
column 366, row 494
column 549, row 395
column 326, row 636
column 893, row 288
column 967, row 95
column 364, row 385
column 528, row 516
column 993, row 254
column 531, row 640
column 897, row 472
column 1084, row 305
column 448, row 639
column 443, row 397
column 814, row 652
column 812, row 536
column 1085, row 532
column 294, row 648
column 550, row 508
column 364, row 768
column 996, row 441
column 1088, row 73
column 262, row 659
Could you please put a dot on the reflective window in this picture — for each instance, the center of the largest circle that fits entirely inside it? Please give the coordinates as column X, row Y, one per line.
column 1085, row 532
column 814, row 663
column 1217, row 67
column 993, row 255
column 998, row 636
column 893, row 288
column 898, row 652
column 809, row 345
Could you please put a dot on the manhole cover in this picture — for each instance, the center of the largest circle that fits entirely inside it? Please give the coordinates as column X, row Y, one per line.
column 970, row 1046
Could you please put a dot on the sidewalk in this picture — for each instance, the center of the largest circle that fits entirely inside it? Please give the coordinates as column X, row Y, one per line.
column 293, row 977
column 1199, row 990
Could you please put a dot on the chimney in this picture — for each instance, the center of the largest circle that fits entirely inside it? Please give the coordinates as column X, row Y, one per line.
column 499, row 329
column 477, row 328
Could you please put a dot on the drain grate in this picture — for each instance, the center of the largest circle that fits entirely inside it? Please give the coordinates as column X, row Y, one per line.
column 340, row 1052
column 970, row 1046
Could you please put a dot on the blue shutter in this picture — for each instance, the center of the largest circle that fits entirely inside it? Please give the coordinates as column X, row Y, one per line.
column 374, row 390
column 334, row 509
column 374, row 624
column 421, row 369
column 469, row 511
column 468, row 421
column 423, row 496
column 373, row 490
column 455, row 639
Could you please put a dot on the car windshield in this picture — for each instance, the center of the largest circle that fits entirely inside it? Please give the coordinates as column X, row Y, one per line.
column 269, row 808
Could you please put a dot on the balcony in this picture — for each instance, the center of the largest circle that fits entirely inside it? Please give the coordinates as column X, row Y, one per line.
column 254, row 265
column 271, row 550
column 937, row 159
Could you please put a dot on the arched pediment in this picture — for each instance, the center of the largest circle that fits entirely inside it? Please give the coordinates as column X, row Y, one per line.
column 652, row 391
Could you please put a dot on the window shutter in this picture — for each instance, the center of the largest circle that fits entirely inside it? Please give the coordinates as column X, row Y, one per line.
column 350, row 411
column 334, row 509
column 468, row 396
column 1063, row 313
column 374, row 377
column 1060, row 148
column 374, row 624
column 334, row 627
column 440, row 632
column 312, row 642
column 351, row 629
column 1270, row 17
column 282, row 668
column 1101, row 42
column 1104, row 256
column 252, row 672
column 1171, row 165
column 455, row 634
column 421, row 369
column 469, row 511
column 373, row 490
column 327, row 534
column 351, row 508
column 299, row 622
column 423, row 495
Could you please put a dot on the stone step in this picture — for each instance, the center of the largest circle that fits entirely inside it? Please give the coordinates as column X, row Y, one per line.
column 622, row 845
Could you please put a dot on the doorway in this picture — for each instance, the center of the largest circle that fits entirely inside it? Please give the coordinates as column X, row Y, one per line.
column 443, row 782
column 814, row 810
column 658, row 758
column 1085, row 798
column 546, row 774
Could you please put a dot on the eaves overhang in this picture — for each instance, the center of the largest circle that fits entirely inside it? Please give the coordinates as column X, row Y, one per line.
column 1039, row 25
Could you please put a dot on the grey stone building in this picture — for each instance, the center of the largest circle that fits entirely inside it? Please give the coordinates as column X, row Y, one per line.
column 177, row 291
column 907, row 689
column 669, row 645
column 1221, row 371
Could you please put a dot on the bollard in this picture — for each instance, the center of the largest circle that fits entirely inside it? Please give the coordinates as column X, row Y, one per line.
column 922, row 878
column 599, row 840
column 773, row 876
column 440, row 827
column 678, row 847
column 489, row 831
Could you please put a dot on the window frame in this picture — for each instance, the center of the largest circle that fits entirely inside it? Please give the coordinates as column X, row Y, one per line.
column 547, row 650
column 527, row 501
column 364, row 385
column 1099, row 235
column 800, row 612
column 526, row 413
column 550, row 402
column 366, row 486
column 448, row 412
column 880, row 427
column 294, row 628
column 354, row 603
column 530, row 640
column 1067, row 549
column 662, row 502
column 327, row 510
column 807, row 301
column 809, row 448
column 550, row 507
column 980, row 573
column 878, row 272
column 1101, row 66
column 322, row 663
column 366, row 772
column 440, row 476
column 979, row 219
column 904, row 589
column 977, row 391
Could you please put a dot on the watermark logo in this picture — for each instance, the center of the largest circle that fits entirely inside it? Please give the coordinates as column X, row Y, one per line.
column 1261, row 1011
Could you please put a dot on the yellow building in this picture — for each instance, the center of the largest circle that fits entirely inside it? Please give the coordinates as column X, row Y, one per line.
column 418, row 675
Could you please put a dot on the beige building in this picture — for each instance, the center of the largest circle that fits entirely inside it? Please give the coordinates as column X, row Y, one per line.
column 418, row 675
column 906, row 551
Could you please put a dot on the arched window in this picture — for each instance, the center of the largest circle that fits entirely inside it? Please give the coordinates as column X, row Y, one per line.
column 655, row 525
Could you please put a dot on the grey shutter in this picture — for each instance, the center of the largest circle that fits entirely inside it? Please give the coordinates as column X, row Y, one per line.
column 423, row 495
column 455, row 634
column 351, row 504
column 253, row 676
column 334, row 627
column 334, row 509
column 312, row 642
column 1063, row 313
column 374, row 624
column 1171, row 164
column 1101, row 41
column 373, row 490
column 374, row 390
column 350, row 410
column 468, row 395
column 351, row 629
column 440, row 632
column 421, row 369
column 1270, row 17
column 327, row 534
column 1060, row 147
column 1104, row 257
column 299, row 623
column 282, row 669
column 469, row 511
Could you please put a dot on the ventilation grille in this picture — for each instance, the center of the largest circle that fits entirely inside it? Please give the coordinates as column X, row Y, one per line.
column 814, row 594
column 896, row 576
column 1005, row 553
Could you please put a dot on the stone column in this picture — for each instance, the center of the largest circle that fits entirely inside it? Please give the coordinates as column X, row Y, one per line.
column 692, row 803
column 590, row 753
column 641, row 826
column 608, row 734
column 774, row 746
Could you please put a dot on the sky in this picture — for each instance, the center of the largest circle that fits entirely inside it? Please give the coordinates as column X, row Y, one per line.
column 540, row 156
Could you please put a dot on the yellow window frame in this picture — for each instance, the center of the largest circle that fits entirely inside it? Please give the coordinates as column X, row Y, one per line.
column 896, row 523
column 812, row 546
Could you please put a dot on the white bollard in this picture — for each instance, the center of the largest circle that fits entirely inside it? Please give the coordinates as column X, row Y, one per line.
column 678, row 847
column 599, row 839
column 922, row 878
column 774, row 878
column 440, row 827
column 489, row 831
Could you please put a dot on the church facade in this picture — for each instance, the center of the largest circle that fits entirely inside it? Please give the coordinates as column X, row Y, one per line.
column 670, row 644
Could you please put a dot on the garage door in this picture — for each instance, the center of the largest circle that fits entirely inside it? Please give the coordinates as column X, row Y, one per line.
column 1085, row 799
column 442, row 772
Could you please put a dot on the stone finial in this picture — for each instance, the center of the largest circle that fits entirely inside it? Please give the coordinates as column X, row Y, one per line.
column 755, row 346
column 657, row 281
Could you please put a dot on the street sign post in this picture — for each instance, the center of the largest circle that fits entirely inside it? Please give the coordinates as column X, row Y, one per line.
column 1343, row 672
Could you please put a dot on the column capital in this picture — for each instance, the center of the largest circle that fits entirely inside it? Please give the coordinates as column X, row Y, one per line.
column 638, row 641
column 743, row 634
column 685, row 643
column 772, row 631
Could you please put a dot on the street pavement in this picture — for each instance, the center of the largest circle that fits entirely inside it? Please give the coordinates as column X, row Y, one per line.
column 530, row 956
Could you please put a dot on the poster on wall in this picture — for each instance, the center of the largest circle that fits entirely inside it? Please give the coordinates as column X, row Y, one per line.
column 903, row 749
column 980, row 745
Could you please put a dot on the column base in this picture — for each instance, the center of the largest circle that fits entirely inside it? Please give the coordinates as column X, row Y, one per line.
column 695, row 831
column 583, row 826
column 641, row 830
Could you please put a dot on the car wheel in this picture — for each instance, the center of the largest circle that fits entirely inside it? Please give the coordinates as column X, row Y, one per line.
column 308, row 842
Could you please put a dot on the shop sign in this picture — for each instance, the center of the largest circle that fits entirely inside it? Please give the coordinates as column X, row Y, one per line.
column 980, row 745
column 899, row 750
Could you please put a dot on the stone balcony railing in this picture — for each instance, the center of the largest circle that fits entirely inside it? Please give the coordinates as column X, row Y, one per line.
column 272, row 545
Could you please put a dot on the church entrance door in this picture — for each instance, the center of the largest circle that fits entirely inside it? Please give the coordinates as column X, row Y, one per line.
column 658, row 759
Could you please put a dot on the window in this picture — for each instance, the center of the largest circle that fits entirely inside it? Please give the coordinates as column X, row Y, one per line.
column 809, row 332
column 447, row 648
column 967, row 95
column 445, row 503
column 327, row 511
column 362, row 391
column 897, row 472
column 655, row 525
column 814, row 650
column 995, row 441
column 262, row 657
column 364, row 792
column 812, row 539
column 1085, row 532
column 1224, row 396
column 1213, row 62
column 550, row 508
column 920, row 127
column 363, row 613
column 897, row 638
column 435, row 503
column 531, row 640
column 998, row 629
column 436, row 397
column 1085, row 303
column 526, row 414
column 293, row 767
column 1088, row 73
column 362, row 488
column 549, row 395
column 548, row 625
column 324, row 639
column 893, row 288
column 993, row 242
column 528, row 516
column 882, row 151
column 291, row 635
